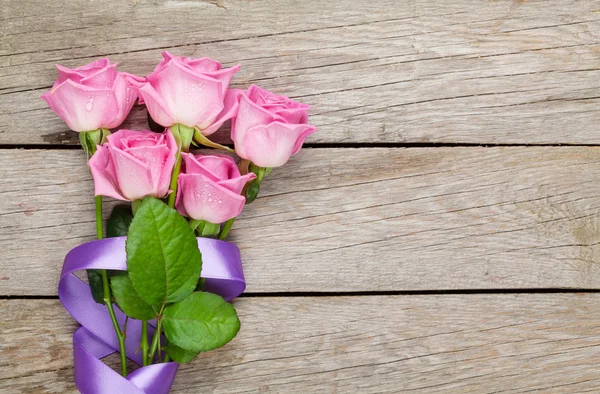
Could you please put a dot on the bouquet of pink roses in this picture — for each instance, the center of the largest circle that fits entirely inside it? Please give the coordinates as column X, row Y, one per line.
column 164, row 261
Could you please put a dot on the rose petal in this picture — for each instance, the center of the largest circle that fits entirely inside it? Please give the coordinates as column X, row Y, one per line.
column 154, row 158
column 193, row 99
column 80, row 107
column 135, row 83
column 202, row 199
column 293, row 115
column 102, row 78
column 203, row 65
column 125, row 96
column 249, row 115
column 133, row 175
column 224, row 76
column 119, row 139
column 169, row 164
column 158, row 109
column 256, row 94
column 230, row 108
column 215, row 167
column 272, row 145
column 237, row 184
column 103, row 174
column 76, row 74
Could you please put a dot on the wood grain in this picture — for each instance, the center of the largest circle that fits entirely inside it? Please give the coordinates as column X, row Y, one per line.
column 369, row 219
column 510, row 72
column 503, row 343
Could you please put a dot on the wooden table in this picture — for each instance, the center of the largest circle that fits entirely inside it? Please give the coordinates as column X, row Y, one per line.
column 440, row 233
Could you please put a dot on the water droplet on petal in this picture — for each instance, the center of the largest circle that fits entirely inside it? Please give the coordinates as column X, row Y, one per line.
column 90, row 104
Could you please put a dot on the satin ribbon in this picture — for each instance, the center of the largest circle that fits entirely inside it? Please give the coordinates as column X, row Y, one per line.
column 222, row 269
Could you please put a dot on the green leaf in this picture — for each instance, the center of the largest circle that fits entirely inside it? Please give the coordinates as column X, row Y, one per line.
column 201, row 322
column 210, row 230
column 178, row 354
column 163, row 259
column 118, row 223
column 129, row 300
column 96, row 285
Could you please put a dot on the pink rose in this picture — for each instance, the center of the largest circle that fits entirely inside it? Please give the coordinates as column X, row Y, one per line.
column 210, row 188
column 134, row 164
column 192, row 92
column 268, row 128
column 92, row 97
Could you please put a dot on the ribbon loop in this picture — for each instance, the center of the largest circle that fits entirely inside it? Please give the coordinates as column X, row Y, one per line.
column 222, row 269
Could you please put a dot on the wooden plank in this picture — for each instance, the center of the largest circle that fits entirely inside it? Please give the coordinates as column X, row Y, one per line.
column 352, row 219
column 509, row 343
column 456, row 71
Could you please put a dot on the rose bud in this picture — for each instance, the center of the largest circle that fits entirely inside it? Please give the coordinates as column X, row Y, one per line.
column 191, row 92
column 91, row 97
column 134, row 164
column 268, row 128
column 210, row 188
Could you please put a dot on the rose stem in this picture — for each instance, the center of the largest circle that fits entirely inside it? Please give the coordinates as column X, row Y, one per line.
column 108, row 295
column 155, row 340
column 144, row 343
column 226, row 228
column 89, row 143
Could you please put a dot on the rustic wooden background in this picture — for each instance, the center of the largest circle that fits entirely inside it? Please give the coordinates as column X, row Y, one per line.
column 440, row 233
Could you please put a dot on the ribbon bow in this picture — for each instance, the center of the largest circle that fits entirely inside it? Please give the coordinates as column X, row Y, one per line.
column 222, row 269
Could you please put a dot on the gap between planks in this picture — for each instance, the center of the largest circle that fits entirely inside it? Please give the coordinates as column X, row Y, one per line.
column 342, row 145
column 365, row 293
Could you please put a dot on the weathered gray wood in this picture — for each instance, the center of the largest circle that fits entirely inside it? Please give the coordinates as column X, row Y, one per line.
column 507, row 343
column 352, row 219
column 385, row 71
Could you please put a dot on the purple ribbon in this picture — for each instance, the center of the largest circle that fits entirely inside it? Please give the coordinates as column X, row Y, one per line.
column 222, row 269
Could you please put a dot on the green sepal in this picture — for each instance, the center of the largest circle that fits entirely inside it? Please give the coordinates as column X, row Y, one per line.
column 205, row 229
column 202, row 140
column 260, row 172
column 253, row 168
column 194, row 224
column 252, row 191
column 179, row 354
column 129, row 300
column 201, row 322
column 163, row 259
column 90, row 139
column 183, row 136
